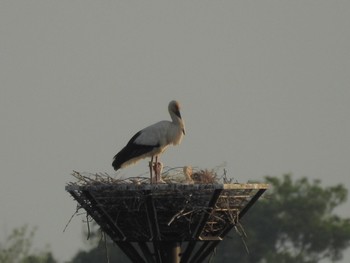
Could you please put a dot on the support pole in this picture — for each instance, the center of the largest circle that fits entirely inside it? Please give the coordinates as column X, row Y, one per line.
column 170, row 252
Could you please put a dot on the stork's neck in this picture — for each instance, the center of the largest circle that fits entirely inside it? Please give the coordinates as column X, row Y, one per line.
column 177, row 121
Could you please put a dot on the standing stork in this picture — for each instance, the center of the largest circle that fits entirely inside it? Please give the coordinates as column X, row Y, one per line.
column 152, row 140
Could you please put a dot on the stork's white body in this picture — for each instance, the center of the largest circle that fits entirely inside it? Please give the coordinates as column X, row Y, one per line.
column 152, row 140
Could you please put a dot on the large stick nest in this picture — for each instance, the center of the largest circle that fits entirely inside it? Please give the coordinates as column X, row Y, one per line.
column 200, row 205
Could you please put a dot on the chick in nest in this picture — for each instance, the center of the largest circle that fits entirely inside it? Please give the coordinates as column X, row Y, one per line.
column 204, row 177
column 188, row 174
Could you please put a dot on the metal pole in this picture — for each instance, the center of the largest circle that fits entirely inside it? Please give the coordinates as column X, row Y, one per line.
column 170, row 252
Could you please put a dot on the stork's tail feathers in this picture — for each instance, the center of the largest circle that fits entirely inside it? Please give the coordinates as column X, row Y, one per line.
column 116, row 164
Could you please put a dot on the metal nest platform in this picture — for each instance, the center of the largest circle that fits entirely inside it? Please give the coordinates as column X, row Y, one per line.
column 166, row 222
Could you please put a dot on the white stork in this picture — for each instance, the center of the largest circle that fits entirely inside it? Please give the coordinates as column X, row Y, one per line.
column 152, row 140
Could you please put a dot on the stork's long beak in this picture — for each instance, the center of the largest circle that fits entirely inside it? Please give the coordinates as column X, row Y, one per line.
column 178, row 114
column 183, row 131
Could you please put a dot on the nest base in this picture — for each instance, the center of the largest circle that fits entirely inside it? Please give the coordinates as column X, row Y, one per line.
column 154, row 222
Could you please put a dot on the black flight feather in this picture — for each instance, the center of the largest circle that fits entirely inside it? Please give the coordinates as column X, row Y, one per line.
column 130, row 151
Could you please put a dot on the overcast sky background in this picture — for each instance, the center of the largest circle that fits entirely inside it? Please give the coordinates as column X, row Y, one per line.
column 264, row 87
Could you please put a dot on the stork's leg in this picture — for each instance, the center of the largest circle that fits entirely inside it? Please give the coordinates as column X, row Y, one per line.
column 151, row 168
column 156, row 170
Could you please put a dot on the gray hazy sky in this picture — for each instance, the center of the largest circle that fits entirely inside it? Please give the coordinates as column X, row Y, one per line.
column 264, row 87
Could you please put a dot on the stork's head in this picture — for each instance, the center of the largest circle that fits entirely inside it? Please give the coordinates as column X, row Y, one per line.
column 174, row 109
